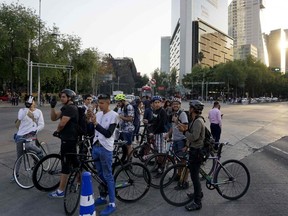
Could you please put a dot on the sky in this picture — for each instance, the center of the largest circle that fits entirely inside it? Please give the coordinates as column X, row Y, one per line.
column 128, row 28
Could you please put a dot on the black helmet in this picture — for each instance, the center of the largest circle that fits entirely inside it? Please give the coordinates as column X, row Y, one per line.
column 69, row 93
column 197, row 105
column 29, row 100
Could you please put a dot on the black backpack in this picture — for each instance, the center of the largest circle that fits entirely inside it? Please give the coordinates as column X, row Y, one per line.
column 82, row 121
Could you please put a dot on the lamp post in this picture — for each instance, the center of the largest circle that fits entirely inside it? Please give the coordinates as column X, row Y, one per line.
column 39, row 86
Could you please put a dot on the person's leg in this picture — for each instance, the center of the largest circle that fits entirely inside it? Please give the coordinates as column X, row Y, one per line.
column 106, row 164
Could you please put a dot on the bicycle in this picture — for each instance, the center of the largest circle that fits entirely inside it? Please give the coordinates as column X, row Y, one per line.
column 46, row 174
column 132, row 181
column 24, row 165
column 231, row 179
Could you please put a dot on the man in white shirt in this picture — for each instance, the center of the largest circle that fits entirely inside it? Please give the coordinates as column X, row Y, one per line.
column 105, row 122
column 215, row 121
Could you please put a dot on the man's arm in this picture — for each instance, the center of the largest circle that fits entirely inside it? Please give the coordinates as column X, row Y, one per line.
column 54, row 115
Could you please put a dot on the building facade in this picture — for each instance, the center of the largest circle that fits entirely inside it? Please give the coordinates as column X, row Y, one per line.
column 165, row 54
column 244, row 26
column 191, row 21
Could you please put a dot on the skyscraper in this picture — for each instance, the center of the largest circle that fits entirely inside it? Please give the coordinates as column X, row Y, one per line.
column 165, row 54
column 199, row 26
column 244, row 26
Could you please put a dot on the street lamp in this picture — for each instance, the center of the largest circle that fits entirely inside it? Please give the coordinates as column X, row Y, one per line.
column 39, row 86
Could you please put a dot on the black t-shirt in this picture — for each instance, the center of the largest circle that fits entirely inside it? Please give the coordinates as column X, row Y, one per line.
column 159, row 121
column 70, row 131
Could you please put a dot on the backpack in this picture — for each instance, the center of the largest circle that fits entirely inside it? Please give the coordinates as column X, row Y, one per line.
column 208, row 141
column 82, row 121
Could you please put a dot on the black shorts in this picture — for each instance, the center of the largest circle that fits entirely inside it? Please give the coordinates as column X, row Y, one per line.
column 68, row 160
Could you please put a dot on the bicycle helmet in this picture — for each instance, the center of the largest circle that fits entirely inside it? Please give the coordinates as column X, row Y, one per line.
column 29, row 100
column 156, row 97
column 69, row 93
column 197, row 105
column 120, row 97
column 175, row 99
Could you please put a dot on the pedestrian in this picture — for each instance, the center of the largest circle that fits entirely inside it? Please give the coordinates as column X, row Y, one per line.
column 126, row 115
column 215, row 118
column 195, row 134
column 89, row 110
column 137, row 118
column 105, row 122
column 31, row 122
column 67, row 131
column 178, row 116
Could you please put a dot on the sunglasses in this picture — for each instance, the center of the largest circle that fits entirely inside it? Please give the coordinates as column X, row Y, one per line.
column 103, row 96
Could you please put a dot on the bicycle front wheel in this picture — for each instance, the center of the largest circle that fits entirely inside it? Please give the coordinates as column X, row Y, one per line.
column 232, row 179
column 72, row 192
column 47, row 178
column 23, row 169
column 176, row 185
column 132, row 182
column 156, row 165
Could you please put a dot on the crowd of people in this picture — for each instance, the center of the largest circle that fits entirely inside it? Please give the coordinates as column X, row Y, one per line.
column 164, row 119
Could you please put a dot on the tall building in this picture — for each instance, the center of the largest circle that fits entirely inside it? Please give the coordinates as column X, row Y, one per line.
column 199, row 26
column 277, row 50
column 165, row 54
column 244, row 26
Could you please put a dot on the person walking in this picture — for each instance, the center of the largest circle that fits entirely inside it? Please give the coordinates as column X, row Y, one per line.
column 32, row 122
column 67, row 131
column 215, row 119
column 105, row 122
column 195, row 134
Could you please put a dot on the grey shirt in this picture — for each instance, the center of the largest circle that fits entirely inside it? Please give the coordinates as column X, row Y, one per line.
column 196, row 133
column 176, row 134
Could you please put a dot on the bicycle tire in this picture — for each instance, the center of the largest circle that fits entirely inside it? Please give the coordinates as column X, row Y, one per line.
column 72, row 192
column 23, row 169
column 132, row 182
column 158, row 161
column 172, row 189
column 47, row 178
column 232, row 179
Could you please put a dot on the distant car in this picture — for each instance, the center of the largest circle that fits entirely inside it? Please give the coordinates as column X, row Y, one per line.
column 4, row 98
column 130, row 98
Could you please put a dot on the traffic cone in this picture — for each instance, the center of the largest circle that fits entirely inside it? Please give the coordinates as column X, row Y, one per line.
column 87, row 207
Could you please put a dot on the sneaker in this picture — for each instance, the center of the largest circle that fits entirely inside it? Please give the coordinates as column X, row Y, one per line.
column 55, row 194
column 99, row 201
column 182, row 186
column 193, row 206
column 108, row 210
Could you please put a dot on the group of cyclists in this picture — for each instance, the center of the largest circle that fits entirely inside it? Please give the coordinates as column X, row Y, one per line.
column 162, row 122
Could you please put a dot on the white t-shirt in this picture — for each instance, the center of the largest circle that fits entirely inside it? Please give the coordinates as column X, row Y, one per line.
column 105, row 120
column 27, row 124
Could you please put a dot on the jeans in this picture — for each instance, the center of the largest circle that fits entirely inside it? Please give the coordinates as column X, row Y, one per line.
column 178, row 145
column 194, row 167
column 215, row 131
column 103, row 164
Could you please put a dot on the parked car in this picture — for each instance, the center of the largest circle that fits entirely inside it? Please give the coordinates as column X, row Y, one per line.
column 4, row 98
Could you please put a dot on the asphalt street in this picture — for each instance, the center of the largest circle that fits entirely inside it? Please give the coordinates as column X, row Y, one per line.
column 257, row 135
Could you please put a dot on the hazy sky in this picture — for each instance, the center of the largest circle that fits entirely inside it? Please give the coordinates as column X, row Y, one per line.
column 128, row 28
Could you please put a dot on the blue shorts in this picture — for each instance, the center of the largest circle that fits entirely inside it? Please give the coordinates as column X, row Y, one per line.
column 178, row 145
column 127, row 136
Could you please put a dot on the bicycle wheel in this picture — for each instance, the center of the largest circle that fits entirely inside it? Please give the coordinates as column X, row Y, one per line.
column 132, row 182
column 47, row 178
column 156, row 165
column 209, row 164
column 72, row 192
column 23, row 169
column 175, row 188
column 232, row 179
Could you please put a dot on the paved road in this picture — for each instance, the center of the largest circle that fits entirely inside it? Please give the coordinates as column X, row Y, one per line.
column 254, row 131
